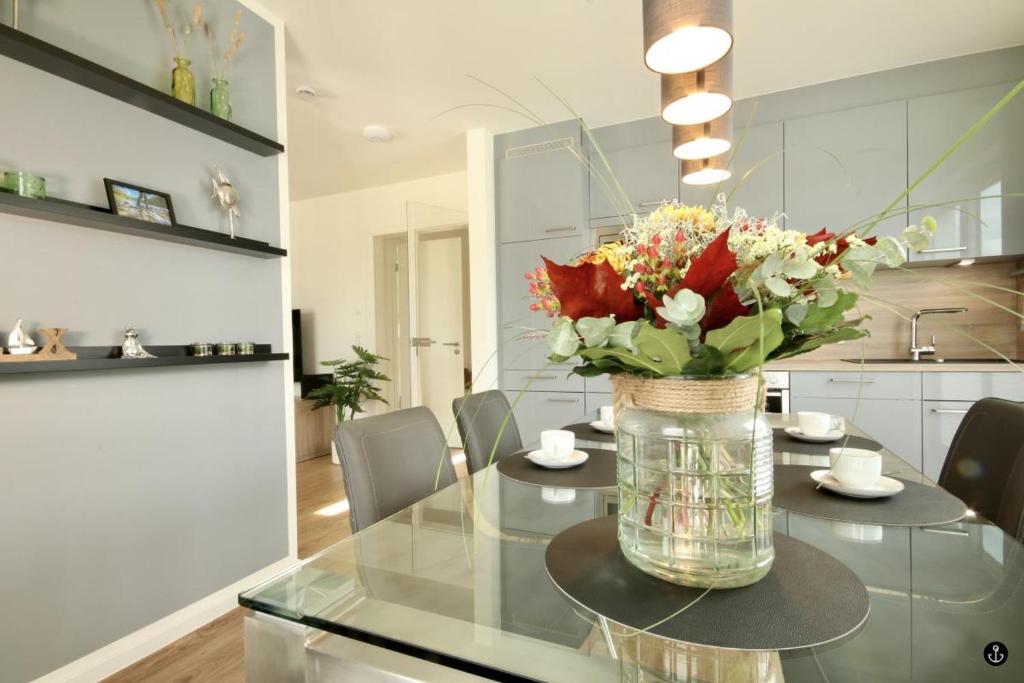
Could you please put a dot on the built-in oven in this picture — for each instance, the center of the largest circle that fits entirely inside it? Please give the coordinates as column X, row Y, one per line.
column 777, row 391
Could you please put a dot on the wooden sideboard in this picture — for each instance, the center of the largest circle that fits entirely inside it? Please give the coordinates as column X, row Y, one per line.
column 312, row 430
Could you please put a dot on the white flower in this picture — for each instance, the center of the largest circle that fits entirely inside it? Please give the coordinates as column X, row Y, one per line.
column 687, row 308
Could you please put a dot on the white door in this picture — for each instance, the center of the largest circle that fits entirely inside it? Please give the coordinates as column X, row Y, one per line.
column 439, row 322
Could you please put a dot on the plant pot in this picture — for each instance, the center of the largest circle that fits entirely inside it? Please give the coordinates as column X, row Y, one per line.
column 694, row 479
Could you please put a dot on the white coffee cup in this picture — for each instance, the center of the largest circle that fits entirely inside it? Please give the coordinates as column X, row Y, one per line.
column 819, row 424
column 607, row 414
column 857, row 467
column 557, row 444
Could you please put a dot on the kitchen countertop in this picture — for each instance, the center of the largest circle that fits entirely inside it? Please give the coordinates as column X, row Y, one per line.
column 811, row 365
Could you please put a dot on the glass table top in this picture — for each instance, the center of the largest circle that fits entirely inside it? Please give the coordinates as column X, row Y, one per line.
column 459, row 578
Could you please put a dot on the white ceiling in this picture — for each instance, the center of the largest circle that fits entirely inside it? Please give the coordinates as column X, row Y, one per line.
column 403, row 63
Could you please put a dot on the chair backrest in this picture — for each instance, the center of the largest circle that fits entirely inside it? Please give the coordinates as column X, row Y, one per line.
column 390, row 461
column 985, row 464
column 479, row 417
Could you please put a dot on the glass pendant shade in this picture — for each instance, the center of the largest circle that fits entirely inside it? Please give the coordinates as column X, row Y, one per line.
column 703, row 141
column 705, row 171
column 686, row 35
column 693, row 98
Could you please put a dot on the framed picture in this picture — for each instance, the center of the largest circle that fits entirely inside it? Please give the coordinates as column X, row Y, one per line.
column 140, row 203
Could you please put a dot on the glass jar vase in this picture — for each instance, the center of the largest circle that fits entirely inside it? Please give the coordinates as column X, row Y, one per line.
column 183, row 81
column 220, row 99
column 695, row 479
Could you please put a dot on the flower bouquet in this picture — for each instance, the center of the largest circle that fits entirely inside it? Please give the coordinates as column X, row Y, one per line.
column 680, row 312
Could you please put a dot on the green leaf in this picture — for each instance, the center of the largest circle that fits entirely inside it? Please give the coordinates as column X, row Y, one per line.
column 800, row 269
column 804, row 344
column 779, row 287
column 918, row 237
column 622, row 336
column 795, row 313
column 929, row 224
column 595, row 331
column 707, row 361
column 740, row 341
column 562, row 338
column 627, row 359
column 669, row 349
column 821, row 318
column 891, row 252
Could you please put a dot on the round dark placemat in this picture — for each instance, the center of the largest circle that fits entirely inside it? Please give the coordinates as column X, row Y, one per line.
column 808, row 598
column 915, row 505
column 585, row 432
column 781, row 441
column 597, row 472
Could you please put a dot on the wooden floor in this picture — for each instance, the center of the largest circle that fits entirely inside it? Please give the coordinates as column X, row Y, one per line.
column 214, row 653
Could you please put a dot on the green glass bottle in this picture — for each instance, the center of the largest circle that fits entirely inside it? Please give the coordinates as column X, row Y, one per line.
column 183, row 81
column 220, row 99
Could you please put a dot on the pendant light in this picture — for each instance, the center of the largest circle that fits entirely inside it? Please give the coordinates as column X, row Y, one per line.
column 704, row 140
column 705, row 171
column 698, row 97
column 686, row 35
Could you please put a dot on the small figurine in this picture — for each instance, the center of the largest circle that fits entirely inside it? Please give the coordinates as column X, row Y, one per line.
column 226, row 194
column 18, row 341
column 131, row 348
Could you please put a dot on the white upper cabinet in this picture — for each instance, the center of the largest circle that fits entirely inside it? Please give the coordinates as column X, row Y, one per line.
column 541, row 185
column 991, row 163
column 843, row 167
column 642, row 168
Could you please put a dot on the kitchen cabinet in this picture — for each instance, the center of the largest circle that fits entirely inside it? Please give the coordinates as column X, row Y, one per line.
column 866, row 385
column 541, row 183
column 640, row 156
column 843, row 166
column 939, row 422
column 757, row 150
column 556, row 378
column 972, row 386
column 992, row 162
column 523, row 346
column 540, row 410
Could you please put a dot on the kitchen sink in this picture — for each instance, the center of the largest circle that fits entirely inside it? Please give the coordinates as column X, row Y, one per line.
column 907, row 361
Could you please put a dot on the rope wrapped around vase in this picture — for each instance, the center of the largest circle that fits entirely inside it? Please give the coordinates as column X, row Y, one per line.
column 686, row 395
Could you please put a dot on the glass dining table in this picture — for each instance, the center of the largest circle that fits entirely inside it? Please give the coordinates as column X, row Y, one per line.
column 454, row 588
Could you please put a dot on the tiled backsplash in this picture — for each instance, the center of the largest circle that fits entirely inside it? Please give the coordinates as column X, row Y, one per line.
column 903, row 292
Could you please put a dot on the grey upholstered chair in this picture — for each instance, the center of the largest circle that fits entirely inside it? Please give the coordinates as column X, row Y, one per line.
column 479, row 417
column 985, row 464
column 390, row 462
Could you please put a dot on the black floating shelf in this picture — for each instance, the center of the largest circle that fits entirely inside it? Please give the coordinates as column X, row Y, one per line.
column 108, row 358
column 85, row 216
column 50, row 58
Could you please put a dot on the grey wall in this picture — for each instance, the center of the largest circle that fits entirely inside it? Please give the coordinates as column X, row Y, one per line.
column 125, row 496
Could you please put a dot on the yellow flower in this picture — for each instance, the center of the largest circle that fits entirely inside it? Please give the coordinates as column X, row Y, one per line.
column 612, row 252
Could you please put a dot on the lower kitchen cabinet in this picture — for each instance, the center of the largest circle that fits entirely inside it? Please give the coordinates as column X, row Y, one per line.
column 894, row 423
column 939, row 422
column 540, row 410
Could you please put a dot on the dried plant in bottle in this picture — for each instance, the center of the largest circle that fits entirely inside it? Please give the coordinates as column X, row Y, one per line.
column 220, row 62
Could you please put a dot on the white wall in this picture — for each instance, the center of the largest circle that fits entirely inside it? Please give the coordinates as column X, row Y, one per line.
column 332, row 258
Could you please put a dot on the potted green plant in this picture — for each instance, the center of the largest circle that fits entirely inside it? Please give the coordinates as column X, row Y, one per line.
column 352, row 385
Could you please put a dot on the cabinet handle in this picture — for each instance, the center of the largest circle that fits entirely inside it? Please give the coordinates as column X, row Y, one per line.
column 836, row 380
column 563, row 400
column 951, row 532
column 656, row 202
column 544, row 377
column 565, row 228
column 948, row 411
column 943, row 250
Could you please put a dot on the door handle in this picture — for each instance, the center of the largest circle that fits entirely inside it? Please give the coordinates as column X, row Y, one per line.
column 419, row 342
column 449, row 343
column 836, row 380
column 564, row 228
column 948, row 411
column 943, row 250
column 563, row 400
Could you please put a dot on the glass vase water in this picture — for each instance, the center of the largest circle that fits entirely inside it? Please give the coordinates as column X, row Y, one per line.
column 220, row 99
column 695, row 481
column 183, row 81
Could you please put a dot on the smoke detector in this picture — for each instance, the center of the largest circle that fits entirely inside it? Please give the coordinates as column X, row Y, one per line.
column 375, row 133
column 306, row 91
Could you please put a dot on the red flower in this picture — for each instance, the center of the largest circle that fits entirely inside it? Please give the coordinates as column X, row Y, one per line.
column 592, row 290
column 842, row 245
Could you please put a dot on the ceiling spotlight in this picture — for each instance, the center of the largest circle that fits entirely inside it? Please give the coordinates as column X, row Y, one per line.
column 705, row 171
column 686, row 35
column 375, row 133
column 704, row 140
column 306, row 91
column 692, row 98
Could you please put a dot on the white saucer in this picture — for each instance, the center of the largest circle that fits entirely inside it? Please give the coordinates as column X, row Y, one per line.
column 886, row 486
column 602, row 427
column 834, row 435
column 537, row 457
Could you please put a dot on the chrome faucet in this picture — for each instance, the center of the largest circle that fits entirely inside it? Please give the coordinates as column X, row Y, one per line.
column 915, row 350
